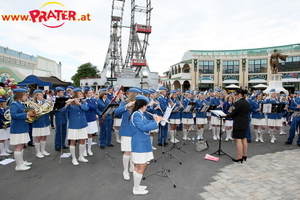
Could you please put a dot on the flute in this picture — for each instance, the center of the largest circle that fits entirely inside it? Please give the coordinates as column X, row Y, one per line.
column 70, row 100
column 154, row 116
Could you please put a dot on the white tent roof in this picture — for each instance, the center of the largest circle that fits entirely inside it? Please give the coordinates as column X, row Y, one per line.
column 232, row 86
column 260, row 86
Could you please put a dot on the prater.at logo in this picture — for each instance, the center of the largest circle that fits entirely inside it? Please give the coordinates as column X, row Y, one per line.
column 55, row 18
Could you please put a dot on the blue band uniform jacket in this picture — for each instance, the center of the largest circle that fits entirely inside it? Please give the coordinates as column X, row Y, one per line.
column 140, row 128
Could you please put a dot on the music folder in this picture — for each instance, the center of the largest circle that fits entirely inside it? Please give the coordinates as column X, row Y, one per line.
column 272, row 108
column 110, row 109
column 59, row 103
column 190, row 107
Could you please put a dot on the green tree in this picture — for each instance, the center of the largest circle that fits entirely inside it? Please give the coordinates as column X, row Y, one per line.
column 85, row 70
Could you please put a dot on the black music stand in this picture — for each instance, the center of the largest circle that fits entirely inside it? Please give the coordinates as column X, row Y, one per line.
column 109, row 110
column 189, row 108
column 174, row 146
column 163, row 172
column 58, row 105
column 219, row 151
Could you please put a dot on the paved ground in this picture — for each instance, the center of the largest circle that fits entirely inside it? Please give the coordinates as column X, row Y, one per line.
column 270, row 172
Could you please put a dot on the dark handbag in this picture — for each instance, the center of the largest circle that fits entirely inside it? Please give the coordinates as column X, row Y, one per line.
column 201, row 145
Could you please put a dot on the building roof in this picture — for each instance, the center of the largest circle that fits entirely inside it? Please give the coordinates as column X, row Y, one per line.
column 265, row 50
column 20, row 54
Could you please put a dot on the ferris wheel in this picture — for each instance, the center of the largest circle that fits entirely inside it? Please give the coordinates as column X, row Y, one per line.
column 140, row 29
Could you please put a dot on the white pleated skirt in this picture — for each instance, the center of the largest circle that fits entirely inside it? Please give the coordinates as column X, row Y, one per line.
column 174, row 121
column 259, row 122
column 274, row 122
column 77, row 134
column 125, row 143
column 229, row 123
column 141, row 158
column 117, row 121
column 187, row 121
column 215, row 120
column 201, row 120
column 208, row 114
column 92, row 127
column 20, row 138
column 8, row 132
column 37, row 132
column 3, row 134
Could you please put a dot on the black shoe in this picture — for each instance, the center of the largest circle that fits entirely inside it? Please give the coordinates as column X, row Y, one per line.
column 249, row 141
column 298, row 145
column 95, row 134
column 287, row 142
column 237, row 160
column 159, row 144
column 102, row 147
column 31, row 144
column 245, row 158
column 64, row 147
column 110, row 145
column 166, row 143
column 57, row 149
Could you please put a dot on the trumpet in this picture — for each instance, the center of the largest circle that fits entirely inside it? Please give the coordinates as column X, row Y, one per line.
column 154, row 116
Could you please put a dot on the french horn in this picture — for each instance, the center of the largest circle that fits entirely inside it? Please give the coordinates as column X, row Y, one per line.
column 40, row 110
column 7, row 116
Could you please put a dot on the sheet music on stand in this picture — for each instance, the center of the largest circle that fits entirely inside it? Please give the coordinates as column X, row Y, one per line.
column 204, row 108
column 296, row 114
column 190, row 107
column 110, row 109
column 177, row 109
column 167, row 115
column 266, row 108
column 219, row 113
column 212, row 107
column 59, row 103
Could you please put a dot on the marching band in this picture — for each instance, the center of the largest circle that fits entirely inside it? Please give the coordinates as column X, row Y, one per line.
column 135, row 120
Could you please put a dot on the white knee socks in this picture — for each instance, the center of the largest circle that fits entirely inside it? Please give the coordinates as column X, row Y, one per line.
column 125, row 162
column 137, row 180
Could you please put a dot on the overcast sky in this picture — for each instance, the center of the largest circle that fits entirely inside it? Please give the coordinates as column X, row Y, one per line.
column 177, row 26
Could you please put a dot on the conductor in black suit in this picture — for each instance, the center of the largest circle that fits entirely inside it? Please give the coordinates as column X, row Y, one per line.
column 240, row 123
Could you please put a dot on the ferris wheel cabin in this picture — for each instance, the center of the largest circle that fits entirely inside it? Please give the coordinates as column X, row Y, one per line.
column 143, row 28
column 138, row 62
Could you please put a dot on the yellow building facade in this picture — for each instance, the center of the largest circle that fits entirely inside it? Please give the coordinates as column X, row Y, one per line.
column 246, row 68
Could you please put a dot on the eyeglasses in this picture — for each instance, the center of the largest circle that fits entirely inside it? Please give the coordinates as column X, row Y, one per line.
column 235, row 94
column 105, row 94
